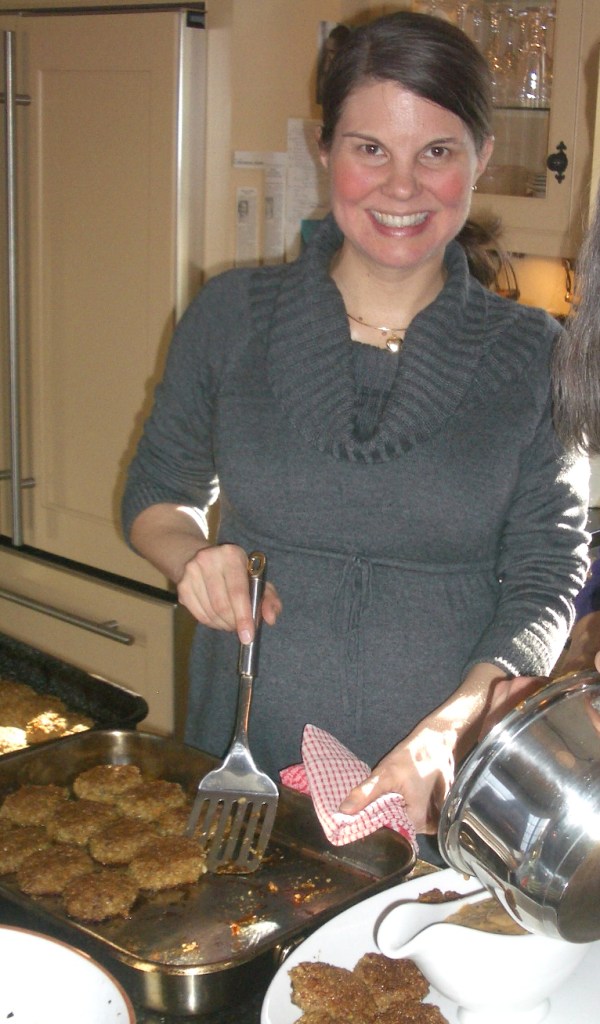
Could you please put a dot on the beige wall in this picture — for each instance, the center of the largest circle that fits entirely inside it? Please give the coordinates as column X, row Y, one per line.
column 262, row 59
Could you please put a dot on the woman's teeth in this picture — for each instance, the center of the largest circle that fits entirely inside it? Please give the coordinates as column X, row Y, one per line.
column 388, row 220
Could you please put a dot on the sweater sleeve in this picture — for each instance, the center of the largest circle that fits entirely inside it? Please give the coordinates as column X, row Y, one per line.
column 174, row 460
column 588, row 599
column 543, row 558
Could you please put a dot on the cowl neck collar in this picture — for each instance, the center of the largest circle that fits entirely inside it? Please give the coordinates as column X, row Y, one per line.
column 310, row 356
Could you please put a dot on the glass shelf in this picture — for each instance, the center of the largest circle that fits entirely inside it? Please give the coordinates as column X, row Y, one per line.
column 540, row 111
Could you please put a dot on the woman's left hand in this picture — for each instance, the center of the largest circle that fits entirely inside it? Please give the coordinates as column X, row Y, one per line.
column 421, row 768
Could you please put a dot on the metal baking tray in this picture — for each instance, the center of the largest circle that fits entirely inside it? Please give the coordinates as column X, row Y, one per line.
column 108, row 704
column 199, row 948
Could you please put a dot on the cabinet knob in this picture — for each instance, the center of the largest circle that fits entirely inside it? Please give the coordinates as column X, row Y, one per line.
column 557, row 162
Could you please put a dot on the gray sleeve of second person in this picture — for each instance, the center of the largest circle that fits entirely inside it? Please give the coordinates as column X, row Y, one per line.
column 174, row 462
column 543, row 560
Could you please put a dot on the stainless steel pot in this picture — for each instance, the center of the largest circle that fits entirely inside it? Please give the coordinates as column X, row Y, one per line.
column 523, row 814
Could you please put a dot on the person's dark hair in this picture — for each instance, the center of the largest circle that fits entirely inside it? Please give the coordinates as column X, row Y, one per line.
column 424, row 54
column 338, row 35
column 485, row 255
column 576, row 362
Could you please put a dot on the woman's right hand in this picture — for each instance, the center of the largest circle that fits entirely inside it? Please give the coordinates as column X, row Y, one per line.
column 214, row 588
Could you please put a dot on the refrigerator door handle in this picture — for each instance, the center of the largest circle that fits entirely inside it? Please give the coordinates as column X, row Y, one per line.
column 28, row 481
column 10, row 103
column 110, row 630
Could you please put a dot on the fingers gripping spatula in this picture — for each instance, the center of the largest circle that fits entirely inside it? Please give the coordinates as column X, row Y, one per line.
column 235, row 804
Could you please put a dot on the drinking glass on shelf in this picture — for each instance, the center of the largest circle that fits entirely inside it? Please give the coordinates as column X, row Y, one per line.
column 513, row 45
column 536, row 64
column 472, row 17
column 440, row 8
column 445, row 9
column 460, row 13
column 496, row 52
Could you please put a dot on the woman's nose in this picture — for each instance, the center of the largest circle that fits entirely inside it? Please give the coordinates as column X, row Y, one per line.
column 402, row 180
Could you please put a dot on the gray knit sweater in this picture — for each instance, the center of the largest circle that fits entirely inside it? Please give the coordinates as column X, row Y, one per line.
column 441, row 526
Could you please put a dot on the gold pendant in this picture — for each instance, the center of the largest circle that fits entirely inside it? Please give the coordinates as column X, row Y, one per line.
column 393, row 344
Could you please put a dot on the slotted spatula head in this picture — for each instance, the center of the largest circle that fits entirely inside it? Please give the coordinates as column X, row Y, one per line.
column 235, row 805
column 233, row 814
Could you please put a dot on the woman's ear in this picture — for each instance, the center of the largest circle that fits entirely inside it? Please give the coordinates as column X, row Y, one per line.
column 484, row 155
column 323, row 150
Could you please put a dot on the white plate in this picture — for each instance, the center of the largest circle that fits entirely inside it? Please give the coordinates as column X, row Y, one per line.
column 347, row 937
column 45, row 981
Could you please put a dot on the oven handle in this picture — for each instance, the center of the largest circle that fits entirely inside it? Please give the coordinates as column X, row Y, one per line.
column 110, row 630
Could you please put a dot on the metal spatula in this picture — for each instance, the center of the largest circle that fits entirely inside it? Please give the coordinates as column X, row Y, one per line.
column 235, row 805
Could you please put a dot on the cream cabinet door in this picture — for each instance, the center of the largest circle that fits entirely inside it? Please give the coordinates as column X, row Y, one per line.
column 136, row 640
column 102, row 147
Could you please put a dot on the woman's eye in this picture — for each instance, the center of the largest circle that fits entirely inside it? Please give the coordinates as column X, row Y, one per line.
column 371, row 149
column 437, row 152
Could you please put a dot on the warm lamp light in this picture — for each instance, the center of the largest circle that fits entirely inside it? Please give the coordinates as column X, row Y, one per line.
column 544, row 282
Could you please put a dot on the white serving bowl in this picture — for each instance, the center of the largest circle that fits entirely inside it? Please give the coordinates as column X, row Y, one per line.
column 44, row 981
column 493, row 978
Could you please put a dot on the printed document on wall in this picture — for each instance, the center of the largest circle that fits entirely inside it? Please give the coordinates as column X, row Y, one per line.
column 307, row 189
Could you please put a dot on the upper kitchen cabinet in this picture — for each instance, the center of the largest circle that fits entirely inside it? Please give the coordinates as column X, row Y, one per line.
column 106, row 132
column 544, row 63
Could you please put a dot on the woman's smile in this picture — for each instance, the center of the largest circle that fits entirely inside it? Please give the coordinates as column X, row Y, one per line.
column 407, row 220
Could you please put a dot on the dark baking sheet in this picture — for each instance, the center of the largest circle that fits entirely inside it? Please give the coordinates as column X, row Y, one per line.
column 196, row 948
column 110, row 705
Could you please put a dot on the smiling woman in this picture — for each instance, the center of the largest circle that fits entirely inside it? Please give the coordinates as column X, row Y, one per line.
column 378, row 423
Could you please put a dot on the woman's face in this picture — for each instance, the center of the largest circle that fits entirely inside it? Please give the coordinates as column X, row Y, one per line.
column 402, row 171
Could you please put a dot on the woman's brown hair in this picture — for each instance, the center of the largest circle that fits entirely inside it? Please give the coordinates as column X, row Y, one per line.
column 424, row 54
column 576, row 364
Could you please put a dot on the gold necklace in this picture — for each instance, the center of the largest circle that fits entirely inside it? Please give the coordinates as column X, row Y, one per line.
column 391, row 335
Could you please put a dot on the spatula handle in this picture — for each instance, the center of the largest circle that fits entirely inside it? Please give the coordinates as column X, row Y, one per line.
column 248, row 658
